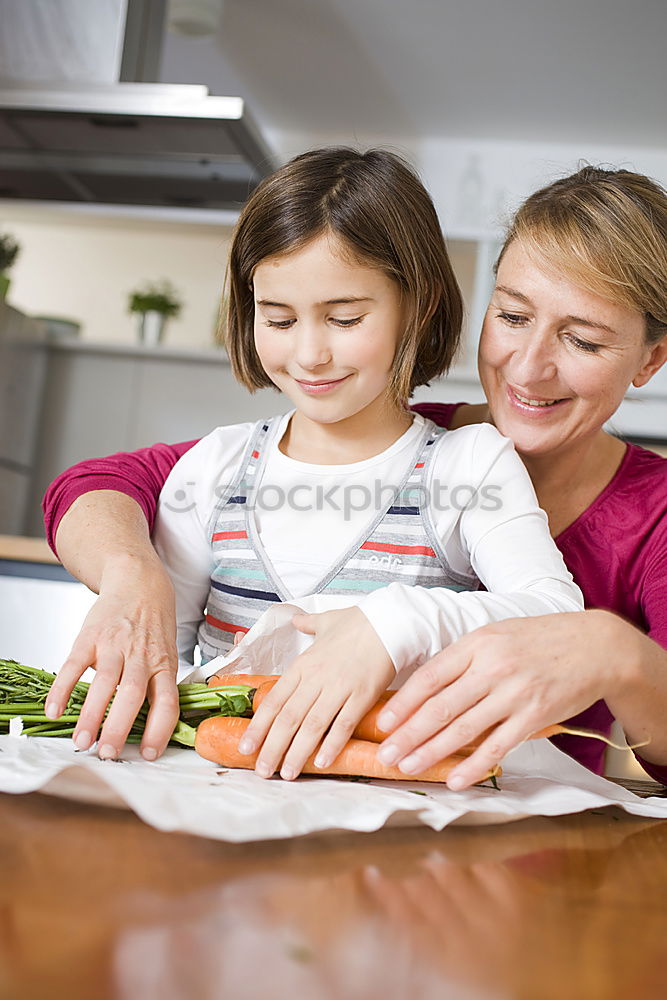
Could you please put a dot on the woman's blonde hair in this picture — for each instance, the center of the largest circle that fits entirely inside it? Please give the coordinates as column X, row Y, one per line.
column 378, row 211
column 605, row 230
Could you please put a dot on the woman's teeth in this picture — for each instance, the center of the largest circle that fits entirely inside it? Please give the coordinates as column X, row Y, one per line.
column 536, row 402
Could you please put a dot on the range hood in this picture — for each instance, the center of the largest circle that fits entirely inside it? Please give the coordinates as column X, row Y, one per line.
column 128, row 142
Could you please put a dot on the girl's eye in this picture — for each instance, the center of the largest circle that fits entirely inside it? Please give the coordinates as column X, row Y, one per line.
column 347, row 322
column 514, row 319
column 280, row 324
column 584, row 345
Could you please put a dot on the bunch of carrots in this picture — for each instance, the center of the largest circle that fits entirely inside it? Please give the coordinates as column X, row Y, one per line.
column 214, row 716
column 218, row 739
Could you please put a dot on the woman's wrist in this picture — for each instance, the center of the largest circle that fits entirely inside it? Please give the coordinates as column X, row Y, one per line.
column 126, row 569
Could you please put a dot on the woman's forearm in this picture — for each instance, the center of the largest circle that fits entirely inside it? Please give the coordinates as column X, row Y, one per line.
column 128, row 636
column 638, row 690
column 101, row 530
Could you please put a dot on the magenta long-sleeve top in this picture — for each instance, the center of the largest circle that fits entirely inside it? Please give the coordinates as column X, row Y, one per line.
column 616, row 549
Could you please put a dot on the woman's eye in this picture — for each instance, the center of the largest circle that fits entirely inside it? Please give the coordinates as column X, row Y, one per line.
column 584, row 345
column 514, row 319
column 280, row 324
column 347, row 322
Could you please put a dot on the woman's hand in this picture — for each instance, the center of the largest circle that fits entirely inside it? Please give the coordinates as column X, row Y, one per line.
column 512, row 678
column 332, row 684
column 129, row 637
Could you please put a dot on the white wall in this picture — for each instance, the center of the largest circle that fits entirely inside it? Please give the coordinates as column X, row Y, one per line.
column 82, row 267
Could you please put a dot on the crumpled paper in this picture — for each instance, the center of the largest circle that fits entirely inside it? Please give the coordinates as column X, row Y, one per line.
column 183, row 792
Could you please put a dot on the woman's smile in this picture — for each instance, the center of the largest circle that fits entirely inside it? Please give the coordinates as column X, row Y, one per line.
column 529, row 402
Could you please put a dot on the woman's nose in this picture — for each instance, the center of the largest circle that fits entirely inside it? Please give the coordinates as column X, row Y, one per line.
column 534, row 360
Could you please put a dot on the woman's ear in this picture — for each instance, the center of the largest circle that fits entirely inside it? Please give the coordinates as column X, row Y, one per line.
column 656, row 360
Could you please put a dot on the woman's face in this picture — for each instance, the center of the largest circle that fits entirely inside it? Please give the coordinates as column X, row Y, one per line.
column 555, row 360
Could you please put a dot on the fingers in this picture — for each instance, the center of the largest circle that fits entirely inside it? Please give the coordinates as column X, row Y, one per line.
column 491, row 751
column 326, row 714
column 262, row 721
column 439, row 713
column 306, row 623
column 162, row 715
column 108, row 669
column 82, row 656
column 427, row 681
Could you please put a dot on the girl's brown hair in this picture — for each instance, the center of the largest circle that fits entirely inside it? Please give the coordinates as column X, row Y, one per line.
column 605, row 230
column 381, row 214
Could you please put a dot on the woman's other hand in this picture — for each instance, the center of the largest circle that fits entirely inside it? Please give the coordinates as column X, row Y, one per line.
column 129, row 637
column 326, row 690
column 511, row 678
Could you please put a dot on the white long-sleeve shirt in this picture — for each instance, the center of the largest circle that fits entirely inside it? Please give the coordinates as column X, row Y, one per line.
column 482, row 505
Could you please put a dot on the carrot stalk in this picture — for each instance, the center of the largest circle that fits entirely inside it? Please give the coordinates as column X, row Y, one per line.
column 249, row 680
column 218, row 738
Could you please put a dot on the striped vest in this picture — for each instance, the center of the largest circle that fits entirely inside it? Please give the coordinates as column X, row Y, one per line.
column 399, row 545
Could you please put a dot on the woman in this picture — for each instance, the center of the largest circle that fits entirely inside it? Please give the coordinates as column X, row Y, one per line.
column 579, row 312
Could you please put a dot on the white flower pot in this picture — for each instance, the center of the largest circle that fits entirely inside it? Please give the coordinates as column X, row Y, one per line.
column 150, row 328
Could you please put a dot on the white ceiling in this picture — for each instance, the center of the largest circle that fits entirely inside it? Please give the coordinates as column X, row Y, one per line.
column 591, row 71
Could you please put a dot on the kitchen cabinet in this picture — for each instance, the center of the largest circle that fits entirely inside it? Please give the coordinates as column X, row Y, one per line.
column 22, row 376
column 100, row 399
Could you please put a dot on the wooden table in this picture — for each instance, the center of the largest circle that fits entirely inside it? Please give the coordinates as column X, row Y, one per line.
column 97, row 905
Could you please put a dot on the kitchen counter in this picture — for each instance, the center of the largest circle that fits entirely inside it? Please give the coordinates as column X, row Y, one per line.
column 32, row 550
column 163, row 352
column 96, row 904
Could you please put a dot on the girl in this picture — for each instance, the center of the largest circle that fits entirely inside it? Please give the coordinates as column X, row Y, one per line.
column 343, row 297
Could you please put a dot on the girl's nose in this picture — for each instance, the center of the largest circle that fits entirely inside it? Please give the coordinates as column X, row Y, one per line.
column 312, row 348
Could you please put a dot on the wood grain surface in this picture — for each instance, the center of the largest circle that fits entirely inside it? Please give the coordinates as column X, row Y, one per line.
column 97, row 905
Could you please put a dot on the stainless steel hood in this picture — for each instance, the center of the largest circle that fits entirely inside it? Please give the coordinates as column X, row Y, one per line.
column 128, row 143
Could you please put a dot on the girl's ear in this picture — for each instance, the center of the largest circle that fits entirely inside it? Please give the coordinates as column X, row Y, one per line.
column 656, row 360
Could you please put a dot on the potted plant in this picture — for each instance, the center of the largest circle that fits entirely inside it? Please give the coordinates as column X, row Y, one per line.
column 9, row 250
column 154, row 304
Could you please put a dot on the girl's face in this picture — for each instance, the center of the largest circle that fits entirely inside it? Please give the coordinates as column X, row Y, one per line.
column 326, row 330
column 555, row 360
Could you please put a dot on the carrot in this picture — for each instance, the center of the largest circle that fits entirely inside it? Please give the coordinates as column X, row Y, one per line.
column 252, row 680
column 368, row 729
column 218, row 738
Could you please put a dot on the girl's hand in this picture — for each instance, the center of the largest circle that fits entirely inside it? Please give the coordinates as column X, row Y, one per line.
column 129, row 637
column 332, row 684
column 512, row 678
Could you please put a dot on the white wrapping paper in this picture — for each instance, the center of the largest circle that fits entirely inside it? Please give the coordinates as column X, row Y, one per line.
column 185, row 793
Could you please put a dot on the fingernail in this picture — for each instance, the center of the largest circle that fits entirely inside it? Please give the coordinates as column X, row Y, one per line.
column 263, row 770
column 107, row 751
column 410, row 764
column 455, row 782
column 322, row 760
column 51, row 710
column 246, row 746
column 288, row 773
column 149, row 753
column 386, row 720
column 388, row 754
column 83, row 740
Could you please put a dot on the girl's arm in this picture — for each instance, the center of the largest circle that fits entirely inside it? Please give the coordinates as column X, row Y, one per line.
column 357, row 651
column 502, row 535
